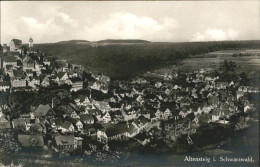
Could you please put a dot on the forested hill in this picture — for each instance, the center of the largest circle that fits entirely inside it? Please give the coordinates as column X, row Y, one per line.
column 126, row 61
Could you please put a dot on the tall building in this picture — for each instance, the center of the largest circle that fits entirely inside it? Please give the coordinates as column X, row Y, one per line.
column 30, row 42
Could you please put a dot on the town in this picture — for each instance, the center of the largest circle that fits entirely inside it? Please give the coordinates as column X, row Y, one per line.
column 65, row 107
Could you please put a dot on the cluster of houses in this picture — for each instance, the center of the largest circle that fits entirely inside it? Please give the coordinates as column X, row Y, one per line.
column 29, row 70
column 154, row 106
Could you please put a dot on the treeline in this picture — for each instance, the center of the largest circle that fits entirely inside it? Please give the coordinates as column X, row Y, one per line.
column 126, row 61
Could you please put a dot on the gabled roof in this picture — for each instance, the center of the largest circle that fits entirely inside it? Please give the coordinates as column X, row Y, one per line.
column 42, row 110
column 28, row 59
column 61, row 74
column 67, row 125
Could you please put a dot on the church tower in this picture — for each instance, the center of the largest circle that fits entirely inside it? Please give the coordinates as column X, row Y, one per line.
column 30, row 42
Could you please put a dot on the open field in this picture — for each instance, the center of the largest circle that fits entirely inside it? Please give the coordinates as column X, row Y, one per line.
column 245, row 64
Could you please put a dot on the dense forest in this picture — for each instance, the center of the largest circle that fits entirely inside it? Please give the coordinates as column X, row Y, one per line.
column 126, row 61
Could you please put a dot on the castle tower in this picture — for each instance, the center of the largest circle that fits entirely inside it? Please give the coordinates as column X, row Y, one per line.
column 30, row 42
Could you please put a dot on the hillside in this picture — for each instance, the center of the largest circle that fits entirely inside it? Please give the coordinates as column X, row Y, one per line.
column 74, row 42
column 126, row 61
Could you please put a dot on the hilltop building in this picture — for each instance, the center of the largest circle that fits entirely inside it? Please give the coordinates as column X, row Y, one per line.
column 15, row 45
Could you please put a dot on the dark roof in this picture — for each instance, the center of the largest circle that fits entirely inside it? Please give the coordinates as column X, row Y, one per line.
column 142, row 136
column 67, row 109
column 61, row 74
column 17, row 41
column 66, row 125
column 4, row 83
column 72, row 120
column 18, row 73
column 13, row 53
column 116, row 129
column 141, row 120
column 86, row 117
column 31, row 140
column 94, row 112
column 10, row 59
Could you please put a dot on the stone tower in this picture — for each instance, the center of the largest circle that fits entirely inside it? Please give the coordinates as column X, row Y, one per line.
column 30, row 42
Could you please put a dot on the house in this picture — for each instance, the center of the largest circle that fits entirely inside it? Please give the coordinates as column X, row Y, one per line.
column 102, row 106
column 4, row 86
column 221, row 85
column 106, row 118
column 37, row 128
column 44, row 111
column 129, row 114
column 166, row 114
column 184, row 112
column 83, row 100
column 117, row 132
column 240, row 94
column 68, row 110
column 86, row 118
column 76, row 122
column 141, row 122
column 62, row 77
column 67, row 127
column 20, row 123
column 116, row 116
column 218, row 114
column 94, row 85
column 158, row 84
column 94, row 112
column 76, row 85
column 204, row 118
column 102, row 136
column 157, row 115
column 34, row 82
column 45, row 81
column 18, row 80
column 67, row 143
column 175, row 123
column 115, row 106
column 28, row 63
column 31, row 140
column 185, row 102
column 4, row 123
column 15, row 45
column 248, row 107
column 10, row 60
column 143, row 138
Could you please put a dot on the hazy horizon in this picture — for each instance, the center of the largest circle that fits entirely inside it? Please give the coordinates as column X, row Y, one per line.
column 155, row 21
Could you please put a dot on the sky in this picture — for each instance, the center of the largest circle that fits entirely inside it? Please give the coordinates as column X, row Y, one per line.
column 158, row 21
